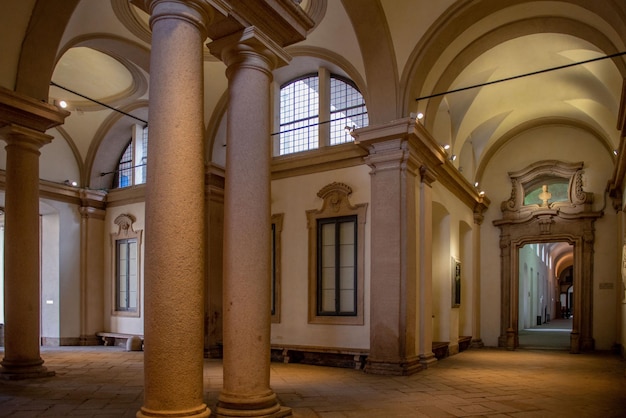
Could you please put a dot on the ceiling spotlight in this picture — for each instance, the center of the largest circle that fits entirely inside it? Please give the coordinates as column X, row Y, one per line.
column 446, row 147
column 482, row 193
column 420, row 116
column 62, row 104
column 615, row 152
column 475, row 184
column 70, row 183
column 453, row 157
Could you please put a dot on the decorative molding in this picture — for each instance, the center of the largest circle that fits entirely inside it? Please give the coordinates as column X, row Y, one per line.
column 125, row 224
column 336, row 203
column 571, row 222
column 579, row 201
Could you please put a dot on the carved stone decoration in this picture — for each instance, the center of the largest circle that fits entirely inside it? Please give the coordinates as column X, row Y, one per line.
column 335, row 196
column 525, row 180
column 571, row 221
column 125, row 224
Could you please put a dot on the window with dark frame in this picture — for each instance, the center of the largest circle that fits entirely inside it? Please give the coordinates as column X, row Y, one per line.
column 126, row 275
column 337, row 266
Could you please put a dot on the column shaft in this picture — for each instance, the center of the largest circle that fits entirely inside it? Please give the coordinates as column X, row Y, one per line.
column 175, row 233
column 21, row 272
column 91, row 272
column 476, row 338
column 426, row 354
column 247, row 228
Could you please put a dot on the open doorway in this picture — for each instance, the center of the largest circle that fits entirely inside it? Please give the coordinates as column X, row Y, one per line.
column 545, row 293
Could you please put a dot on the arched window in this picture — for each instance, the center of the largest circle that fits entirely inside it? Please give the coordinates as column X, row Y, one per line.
column 315, row 111
column 131, row 169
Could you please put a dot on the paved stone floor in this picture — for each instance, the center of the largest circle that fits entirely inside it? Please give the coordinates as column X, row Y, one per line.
column 107, row 382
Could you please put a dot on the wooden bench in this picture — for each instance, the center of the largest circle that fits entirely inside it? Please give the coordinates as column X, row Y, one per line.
column 464, row 342
column 118, row 339
column 353, row 358
column 440, row 349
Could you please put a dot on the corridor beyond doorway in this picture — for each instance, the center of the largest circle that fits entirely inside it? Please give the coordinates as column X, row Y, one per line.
column 553, row 335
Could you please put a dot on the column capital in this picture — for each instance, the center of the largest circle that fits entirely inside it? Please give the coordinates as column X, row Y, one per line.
column 24, row 137
column 428, row 176
column 249, row 48
column 197, row 12
column 18, row 109
column 393, row 154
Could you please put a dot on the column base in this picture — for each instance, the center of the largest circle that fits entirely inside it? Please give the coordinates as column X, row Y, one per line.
column 427, row 359
column 234, row 405
column 221, row 412
column 200, row 412
column 16, row 371
column 401, row 368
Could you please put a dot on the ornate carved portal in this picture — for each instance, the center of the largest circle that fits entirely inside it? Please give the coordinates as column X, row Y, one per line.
column 532, row 216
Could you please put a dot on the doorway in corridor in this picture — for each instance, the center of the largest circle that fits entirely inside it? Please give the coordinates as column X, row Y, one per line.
column 546, row 295
column 536, row 218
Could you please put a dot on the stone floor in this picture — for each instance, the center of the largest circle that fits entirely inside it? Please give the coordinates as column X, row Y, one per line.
column 107, row 382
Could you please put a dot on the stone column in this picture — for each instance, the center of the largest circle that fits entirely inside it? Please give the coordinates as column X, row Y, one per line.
column 426, row 355
column 175, row 220
column 250, row 58
column 91, row 266
column 21, row 253
column 393, row 307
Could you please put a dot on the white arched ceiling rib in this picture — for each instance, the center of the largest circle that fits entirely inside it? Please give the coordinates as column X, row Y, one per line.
column 108, row 144
column 44, row 33
column 372, row 32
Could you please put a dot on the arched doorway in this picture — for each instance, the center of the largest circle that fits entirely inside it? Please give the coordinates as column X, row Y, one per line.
column 532, row 215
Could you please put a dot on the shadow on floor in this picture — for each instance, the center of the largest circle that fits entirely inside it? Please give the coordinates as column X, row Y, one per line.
column 554, row 335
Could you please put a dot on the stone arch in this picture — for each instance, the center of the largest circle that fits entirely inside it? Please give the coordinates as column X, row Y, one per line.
column 525, row 224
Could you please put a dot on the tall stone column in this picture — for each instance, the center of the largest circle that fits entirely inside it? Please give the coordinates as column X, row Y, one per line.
column 22, row 294
column 91, row 266
column 426, row 355
column 394, row 316
column 175, row 220
column 250, row 58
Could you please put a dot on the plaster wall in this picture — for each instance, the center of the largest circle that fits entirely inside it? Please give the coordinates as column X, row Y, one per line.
column 556, row 142
column 450, row 240
column 293, row 197
column 115, row 322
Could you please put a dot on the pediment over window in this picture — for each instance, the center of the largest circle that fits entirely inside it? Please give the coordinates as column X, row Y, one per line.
column 547, row 185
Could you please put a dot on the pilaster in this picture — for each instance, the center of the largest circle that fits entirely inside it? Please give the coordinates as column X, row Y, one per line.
column 393, row 283
column 426, row 355
column 91, row 265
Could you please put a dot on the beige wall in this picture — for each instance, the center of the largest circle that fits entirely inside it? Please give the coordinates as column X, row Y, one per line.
column 115, row 322
column 293, row 197
column 560, row 143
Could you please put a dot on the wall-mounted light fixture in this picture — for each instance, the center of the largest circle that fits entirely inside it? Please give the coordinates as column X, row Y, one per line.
column 70, row 183
column 60, row 103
